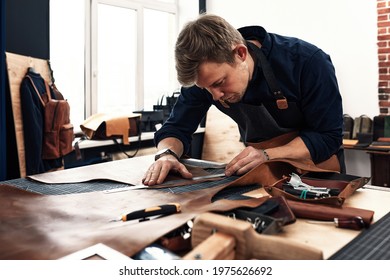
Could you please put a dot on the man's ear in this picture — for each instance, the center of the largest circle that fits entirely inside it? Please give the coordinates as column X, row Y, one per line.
column 242, row 51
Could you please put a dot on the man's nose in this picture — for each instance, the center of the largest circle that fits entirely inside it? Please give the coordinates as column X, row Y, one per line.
column 216, row 93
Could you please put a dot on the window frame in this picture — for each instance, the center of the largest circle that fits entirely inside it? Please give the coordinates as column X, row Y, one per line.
column 90, row 46
column 91, row 77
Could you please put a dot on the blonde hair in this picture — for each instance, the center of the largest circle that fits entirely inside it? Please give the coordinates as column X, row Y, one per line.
column 208, row 38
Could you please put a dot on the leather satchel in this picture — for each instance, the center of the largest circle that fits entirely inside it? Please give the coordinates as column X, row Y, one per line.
column 103, row 126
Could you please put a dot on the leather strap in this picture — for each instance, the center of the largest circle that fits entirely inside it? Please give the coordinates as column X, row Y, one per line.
column 269, row 75
column 36, row 90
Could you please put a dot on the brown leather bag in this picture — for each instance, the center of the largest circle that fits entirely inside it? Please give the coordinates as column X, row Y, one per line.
column 57, row 128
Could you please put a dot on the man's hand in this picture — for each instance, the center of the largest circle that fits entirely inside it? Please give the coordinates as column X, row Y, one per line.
column 159, row 170
column 250, row 157
column 245, row 161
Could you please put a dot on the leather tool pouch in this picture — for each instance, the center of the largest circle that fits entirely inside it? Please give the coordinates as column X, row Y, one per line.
column 340, row 188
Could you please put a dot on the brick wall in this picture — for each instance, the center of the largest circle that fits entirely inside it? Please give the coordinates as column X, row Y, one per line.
column 383, row 8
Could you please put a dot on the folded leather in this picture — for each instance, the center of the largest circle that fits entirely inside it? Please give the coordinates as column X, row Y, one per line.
column 107, row 126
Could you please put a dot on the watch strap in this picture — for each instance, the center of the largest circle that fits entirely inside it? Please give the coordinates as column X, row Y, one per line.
column 164, row 153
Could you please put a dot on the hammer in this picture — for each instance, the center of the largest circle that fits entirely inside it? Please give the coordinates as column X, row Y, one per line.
column 219, row 237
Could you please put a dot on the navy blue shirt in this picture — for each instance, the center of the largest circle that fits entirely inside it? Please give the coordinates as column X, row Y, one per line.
column 306, row 77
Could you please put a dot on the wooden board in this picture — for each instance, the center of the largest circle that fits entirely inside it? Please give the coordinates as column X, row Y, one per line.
column 17, row 66
column 222, row 138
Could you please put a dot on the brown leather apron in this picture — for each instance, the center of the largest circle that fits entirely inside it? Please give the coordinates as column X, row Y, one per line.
column 259, row 129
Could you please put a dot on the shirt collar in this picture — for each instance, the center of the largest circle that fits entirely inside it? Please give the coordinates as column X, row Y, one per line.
column 257, row 33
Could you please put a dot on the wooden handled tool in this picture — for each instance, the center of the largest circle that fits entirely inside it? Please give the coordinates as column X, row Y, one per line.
column 248, row 243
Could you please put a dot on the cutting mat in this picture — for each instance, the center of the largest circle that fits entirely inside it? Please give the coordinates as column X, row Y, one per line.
column 371, row 244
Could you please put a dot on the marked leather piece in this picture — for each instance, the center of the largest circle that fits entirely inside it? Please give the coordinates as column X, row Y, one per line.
column 50, row 227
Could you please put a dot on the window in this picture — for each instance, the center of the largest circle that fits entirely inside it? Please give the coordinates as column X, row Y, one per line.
column 113, row 55
column 67, row 53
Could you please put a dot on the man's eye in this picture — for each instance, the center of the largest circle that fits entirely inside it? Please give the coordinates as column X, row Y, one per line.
column 218, row 84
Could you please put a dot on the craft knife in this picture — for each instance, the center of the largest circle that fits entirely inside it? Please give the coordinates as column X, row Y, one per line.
column 165, row 209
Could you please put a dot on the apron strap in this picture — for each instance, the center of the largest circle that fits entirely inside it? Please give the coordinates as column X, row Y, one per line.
column 269, row 75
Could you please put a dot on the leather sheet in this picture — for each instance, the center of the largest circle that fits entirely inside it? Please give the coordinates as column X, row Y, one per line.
column 124, row 171
column 49, row 227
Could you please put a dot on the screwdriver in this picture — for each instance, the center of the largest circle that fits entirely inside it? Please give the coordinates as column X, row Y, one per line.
column 356, row 223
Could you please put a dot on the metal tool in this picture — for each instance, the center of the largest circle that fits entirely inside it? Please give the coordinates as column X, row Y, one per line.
column 304, row 193
column 296, row 182
column 356, row 223
column 155, row 252
column 124, row 189
column 168, row 183
column 202, row 163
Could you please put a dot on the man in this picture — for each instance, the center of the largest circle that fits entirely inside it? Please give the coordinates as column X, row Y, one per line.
column 281, row 91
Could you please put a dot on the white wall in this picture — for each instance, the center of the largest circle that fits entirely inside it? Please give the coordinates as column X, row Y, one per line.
column 188, row 10
column 345, row 29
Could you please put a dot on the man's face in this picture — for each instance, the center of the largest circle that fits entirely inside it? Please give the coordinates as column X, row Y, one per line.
column 224, row 81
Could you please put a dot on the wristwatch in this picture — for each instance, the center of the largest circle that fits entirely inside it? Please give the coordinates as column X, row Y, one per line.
column 165, row 152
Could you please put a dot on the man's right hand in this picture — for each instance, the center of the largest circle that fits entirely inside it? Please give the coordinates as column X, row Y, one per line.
column 159, row 170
